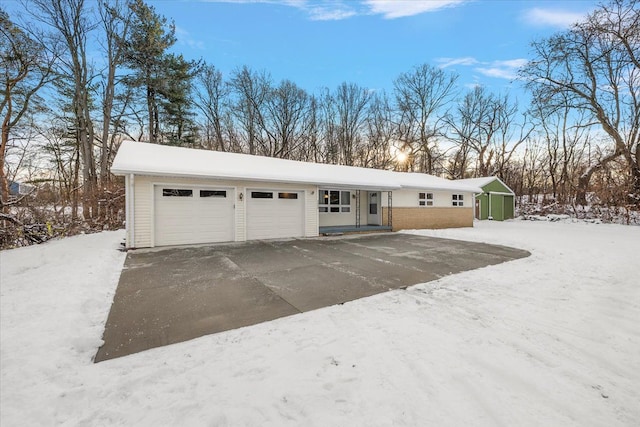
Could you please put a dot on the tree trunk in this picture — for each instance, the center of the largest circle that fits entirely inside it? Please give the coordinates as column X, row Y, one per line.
column 4, row 183
column 585, row 178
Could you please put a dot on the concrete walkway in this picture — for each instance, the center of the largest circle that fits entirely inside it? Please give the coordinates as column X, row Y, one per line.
column 173, row 295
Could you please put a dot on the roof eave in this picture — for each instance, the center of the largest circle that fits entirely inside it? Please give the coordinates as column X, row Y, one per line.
column 328, row 184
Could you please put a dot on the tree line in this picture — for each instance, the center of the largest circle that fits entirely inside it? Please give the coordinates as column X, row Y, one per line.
column 78, row 77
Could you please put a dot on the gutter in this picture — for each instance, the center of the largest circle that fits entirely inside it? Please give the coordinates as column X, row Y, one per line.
column 349, row 185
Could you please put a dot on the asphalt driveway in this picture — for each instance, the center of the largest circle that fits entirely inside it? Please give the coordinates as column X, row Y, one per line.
column 172, row 295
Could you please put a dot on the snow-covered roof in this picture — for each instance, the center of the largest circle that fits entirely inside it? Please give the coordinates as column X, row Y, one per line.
column 152, row 159
column 482, row 181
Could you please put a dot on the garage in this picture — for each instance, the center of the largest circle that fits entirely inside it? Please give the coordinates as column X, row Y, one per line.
column 192, row 215
column 273, row 214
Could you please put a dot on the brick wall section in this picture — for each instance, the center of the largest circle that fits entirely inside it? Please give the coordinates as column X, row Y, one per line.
column 417, row 218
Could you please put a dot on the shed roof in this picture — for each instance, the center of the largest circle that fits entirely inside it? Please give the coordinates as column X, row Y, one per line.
column 482, row 181
column 143, row 158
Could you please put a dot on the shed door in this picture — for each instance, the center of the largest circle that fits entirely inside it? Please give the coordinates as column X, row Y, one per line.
column 189, row 215
column 273, row 214
column 508, row 207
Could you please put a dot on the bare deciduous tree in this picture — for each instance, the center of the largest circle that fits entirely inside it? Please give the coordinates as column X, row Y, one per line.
column 421, row 95
column 26, row 67
column 71, row 20
column 211, row 98
column 595, row 67
column 115, row 18
column 251, row 90
column 350, row 101
column 286, row 108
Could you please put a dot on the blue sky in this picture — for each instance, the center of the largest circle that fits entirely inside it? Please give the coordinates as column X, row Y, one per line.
column 322, row 43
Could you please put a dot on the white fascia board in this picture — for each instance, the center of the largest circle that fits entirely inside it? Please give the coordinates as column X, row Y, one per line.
column 332, row 184
column 465, row 189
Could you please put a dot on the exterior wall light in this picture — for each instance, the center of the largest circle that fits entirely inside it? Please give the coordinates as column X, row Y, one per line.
column 241, row 196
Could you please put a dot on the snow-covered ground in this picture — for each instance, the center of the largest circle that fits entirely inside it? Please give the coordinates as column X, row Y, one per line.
column 552, row 339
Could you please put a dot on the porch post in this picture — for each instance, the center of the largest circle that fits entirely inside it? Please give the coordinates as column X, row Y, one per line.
column 390, row 209
column 357, row 208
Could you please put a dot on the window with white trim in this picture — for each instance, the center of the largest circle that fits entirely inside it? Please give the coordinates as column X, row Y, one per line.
column 425, row 199
column 457, row 200
column 334, row 201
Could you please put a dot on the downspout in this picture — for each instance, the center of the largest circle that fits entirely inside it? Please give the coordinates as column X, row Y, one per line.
column 127, row 210
column 473, row 204
column 501, row 193
column 132, row 207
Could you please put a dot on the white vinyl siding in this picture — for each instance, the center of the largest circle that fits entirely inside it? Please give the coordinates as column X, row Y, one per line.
column 406, row 198
column 143, row 212
column 311, row 216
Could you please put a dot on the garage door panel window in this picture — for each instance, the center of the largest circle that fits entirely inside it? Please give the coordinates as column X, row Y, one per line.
column 262, row 195
column 457, row 200
column 213, row 193
column 290, row 196
column 176, row 192
column 333, row 201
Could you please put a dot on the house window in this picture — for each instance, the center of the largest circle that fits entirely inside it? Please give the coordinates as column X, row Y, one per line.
column 176, row 192
column 425, row 199
column 213, row 193
column 457, row 200
column 262, row 195
column 287, row 195
column 333, row 201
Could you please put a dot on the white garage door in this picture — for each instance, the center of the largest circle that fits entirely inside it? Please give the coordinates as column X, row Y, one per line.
column 189, row 215
column 273, row 214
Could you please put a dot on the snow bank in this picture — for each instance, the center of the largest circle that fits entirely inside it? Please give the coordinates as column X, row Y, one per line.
column 552, row 339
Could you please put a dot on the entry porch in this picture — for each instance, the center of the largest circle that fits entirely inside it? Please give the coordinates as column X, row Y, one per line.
column 348, row 210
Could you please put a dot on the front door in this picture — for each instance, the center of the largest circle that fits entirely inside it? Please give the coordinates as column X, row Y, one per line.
column 373, row 217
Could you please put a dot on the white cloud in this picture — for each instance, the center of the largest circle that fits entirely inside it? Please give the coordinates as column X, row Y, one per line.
column 392, row 9
column 502, row 69
column 511, row 63
column 500, row 73
column 185, row 38
column 318, row 10
column 450, row 62
column 552, row 17
column 330, row 14
column 324, row 10
column 507, row 69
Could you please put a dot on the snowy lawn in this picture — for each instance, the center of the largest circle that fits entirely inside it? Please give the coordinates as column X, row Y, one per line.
column 553, row 339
